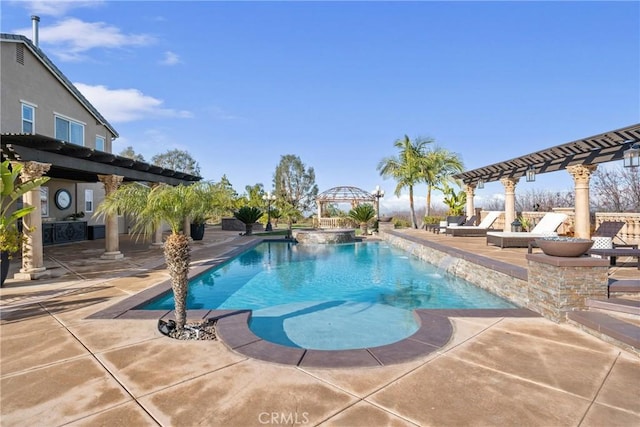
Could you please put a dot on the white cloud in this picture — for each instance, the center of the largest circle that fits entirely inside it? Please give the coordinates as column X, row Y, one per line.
column 56, row 8
column 71, row 38
column 170, row 58
column 126, row 105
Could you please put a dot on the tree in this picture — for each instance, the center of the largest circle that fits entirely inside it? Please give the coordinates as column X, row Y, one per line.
column 177, row 160
column 407, row 168
column 254, row 195
column 438, row 167
column 131, row 154
column 295, row 186
column 617, row 189
column 362, row 214
column 150, row 207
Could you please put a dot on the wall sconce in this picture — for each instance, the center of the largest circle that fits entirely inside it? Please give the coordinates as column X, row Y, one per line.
column 631, row 157
column 531, row 174
column 480, row 183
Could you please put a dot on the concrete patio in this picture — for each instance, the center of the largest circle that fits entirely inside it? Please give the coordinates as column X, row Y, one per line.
column 59, row 368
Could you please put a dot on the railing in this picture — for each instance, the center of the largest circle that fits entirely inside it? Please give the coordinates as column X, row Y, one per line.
column 630, row 232
column 334, row 223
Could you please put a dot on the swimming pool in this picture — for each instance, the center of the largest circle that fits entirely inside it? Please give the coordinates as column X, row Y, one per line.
column 330, row 297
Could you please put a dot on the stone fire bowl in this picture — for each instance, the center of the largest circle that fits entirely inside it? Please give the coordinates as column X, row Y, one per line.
column 564, row 246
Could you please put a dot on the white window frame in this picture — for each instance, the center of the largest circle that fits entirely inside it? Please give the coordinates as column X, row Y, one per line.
column 32, row 107
column 70, row 122
column 44, row 201
column 103, row 142
column 88, row 200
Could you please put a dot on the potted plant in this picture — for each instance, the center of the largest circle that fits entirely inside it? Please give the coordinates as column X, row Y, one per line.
column 362, row 214
column 248, row 215
column 11, row 190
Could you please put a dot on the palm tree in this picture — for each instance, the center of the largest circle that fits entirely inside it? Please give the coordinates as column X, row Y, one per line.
column 407, row 168
column 438, row 166
column 362, row 214
column 149, row 207
column 248, row 215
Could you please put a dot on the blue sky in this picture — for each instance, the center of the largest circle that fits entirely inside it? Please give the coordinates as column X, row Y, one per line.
column 239, row 84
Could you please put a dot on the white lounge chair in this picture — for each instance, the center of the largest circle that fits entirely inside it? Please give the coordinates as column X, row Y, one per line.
column 545, row 228
column 478, row 230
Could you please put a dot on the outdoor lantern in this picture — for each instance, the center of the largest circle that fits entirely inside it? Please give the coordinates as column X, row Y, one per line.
column 516, row 226
column 531, row 174
column 480, row 183
column 631, row 157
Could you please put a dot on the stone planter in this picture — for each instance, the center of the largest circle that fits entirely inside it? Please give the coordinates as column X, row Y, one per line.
column 564, row 246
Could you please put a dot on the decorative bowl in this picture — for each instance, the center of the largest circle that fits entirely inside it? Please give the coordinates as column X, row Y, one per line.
column 564, row 246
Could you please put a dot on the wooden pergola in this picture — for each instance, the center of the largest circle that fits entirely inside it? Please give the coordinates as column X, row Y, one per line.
column 579, row 158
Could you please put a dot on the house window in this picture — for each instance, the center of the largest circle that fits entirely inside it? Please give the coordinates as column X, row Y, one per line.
column 100, row 142
column 28, row 118
column 44, row 200
column 88, row 200
column 69, row 131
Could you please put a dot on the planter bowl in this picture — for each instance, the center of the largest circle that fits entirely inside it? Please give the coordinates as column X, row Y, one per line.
column 564, row 247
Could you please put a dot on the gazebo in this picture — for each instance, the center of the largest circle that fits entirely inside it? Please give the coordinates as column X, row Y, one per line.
column 347, row 194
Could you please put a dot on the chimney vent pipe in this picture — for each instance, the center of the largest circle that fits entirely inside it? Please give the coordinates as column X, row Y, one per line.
column 34, row 21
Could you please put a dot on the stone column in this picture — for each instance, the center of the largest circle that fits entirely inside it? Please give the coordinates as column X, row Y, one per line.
column 471, row 192
column 32, row 254
column 509, row 201
column 186, row 227
column 157, row 236
column 581, row 175
column 112, row 239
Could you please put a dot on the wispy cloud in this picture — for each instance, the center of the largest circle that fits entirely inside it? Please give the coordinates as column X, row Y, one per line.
column 56, row 7
column 126, row 105
column 170, row 58
column 70, row 38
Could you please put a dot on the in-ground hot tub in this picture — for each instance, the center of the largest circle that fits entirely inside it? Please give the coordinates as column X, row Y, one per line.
column 344, row 235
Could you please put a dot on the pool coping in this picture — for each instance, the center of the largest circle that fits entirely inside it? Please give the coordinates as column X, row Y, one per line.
column 232, row 327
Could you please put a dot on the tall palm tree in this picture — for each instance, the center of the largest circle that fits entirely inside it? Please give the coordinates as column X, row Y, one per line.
column 438, row 166
column 407, row 168
column 149, row 207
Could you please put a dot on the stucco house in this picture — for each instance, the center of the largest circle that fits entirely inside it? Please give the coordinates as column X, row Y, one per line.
column 50, row 127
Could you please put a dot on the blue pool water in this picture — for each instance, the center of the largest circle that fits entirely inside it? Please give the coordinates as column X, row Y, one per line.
column 330, row 297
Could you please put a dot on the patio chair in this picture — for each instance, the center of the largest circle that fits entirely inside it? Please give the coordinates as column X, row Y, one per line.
column 605, row 247
column 545, row 228
column 442, row 225
column 475, row 230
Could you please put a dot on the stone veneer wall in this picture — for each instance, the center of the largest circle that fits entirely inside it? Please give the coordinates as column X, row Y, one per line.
column 456, row 262
column 558, row 285
column 551, row 286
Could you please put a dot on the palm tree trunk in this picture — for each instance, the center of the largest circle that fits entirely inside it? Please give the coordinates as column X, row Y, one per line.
column 177, row 254
column 414, row 223
column 428, row 200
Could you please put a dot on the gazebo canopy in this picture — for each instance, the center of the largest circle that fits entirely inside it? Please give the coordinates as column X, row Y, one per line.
column 344, row 195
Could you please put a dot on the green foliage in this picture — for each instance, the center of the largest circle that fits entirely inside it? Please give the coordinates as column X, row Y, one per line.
column 438, row 166
column 12, row 189
column 295, row 185
column 406, row 168
column 253, row 195
column 362, row 213
column 433, row 219
column 177, row 160
column 131, row 154
column 248, row 214
column 149, row 207
column 455, row 201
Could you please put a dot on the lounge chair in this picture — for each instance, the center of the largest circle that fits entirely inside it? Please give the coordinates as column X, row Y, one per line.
column 478, row 230
column 545, row 228
column 442, row 225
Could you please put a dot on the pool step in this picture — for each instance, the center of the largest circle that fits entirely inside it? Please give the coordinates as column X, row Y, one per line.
column 627, row 286
column 611, row 329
